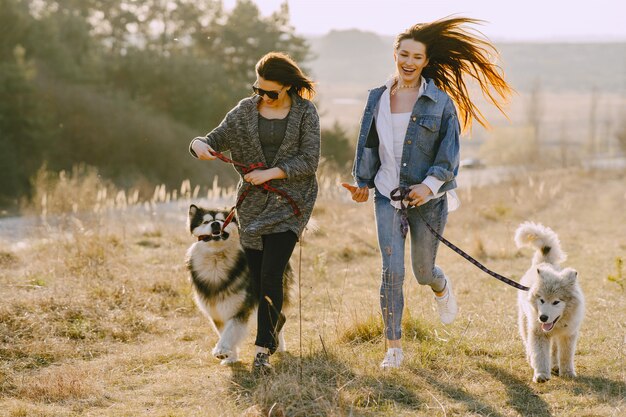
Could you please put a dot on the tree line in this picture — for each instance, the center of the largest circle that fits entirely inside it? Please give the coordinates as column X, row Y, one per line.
column 124, row 85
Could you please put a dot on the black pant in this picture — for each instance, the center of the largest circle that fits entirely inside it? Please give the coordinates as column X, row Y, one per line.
column 267, row 268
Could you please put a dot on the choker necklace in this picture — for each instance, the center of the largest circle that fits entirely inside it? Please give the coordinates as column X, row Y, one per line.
column 399, row 86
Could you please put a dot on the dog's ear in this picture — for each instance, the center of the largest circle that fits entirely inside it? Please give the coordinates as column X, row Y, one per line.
column 569, row 275
column 193, row 212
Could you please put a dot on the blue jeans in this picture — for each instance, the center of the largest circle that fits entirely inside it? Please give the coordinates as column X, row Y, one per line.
column 423, row 252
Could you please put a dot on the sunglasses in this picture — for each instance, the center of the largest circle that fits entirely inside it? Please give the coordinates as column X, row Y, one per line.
column 271, row 94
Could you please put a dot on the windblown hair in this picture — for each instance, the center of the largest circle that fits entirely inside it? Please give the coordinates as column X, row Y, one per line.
column 280, row 68
column 454, row 51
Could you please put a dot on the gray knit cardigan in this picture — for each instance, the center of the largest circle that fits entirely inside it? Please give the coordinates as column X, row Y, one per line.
column 298, row 156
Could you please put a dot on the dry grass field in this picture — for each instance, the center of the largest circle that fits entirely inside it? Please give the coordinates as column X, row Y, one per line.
column 96, row 315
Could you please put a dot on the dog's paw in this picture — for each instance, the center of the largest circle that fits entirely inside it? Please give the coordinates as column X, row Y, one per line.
column 539, row 378
column 567, row 373
column 222, row 353
column 229, row 360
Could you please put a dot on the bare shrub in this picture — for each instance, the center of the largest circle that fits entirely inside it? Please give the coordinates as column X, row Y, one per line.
column 68, row 192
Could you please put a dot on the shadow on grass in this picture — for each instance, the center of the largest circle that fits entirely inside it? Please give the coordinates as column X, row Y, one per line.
column 606, row 389
column 454, row 392
column 383, row 392
column 319, row 384
column 300, row 388
column 521, row 396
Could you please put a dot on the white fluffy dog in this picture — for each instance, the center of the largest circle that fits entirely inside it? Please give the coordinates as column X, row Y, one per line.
column 551, row 312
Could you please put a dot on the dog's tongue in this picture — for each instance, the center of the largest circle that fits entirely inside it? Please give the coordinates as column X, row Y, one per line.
column 546, row 327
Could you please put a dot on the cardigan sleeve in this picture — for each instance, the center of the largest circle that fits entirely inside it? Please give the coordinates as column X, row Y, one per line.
column 219, row 138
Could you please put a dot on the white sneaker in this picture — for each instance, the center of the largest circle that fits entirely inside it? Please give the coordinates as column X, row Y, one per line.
column 446, row 304
column 393, row 358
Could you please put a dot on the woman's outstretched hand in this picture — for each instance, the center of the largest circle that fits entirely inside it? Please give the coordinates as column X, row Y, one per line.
column 359, row 194
column 202, row 150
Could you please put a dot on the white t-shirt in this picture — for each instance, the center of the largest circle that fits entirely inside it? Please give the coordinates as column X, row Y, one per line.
column 400, row 123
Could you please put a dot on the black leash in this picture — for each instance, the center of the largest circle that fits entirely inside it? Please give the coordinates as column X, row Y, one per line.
column 400, row 194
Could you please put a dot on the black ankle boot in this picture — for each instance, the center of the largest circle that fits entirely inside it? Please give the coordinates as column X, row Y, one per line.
column 261, row 364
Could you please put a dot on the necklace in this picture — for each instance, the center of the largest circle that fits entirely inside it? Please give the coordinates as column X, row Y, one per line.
column 399, row 86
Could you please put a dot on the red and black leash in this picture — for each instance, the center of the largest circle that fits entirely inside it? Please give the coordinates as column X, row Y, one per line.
column 401, row 194
column 265, row 186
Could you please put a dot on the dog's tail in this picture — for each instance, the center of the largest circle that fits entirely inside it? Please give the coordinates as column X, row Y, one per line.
column 543, row 239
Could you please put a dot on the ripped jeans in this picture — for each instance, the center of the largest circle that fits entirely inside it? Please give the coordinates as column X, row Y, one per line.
column 423, row 252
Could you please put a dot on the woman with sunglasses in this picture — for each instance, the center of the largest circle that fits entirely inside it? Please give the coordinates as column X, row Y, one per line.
column 279, row 127
column 408, row 147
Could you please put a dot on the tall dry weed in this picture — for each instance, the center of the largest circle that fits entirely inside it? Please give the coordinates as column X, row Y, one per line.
column 82, row 189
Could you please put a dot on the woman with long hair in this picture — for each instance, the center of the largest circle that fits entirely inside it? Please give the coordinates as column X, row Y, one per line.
column 408, row 151
column 279, row 127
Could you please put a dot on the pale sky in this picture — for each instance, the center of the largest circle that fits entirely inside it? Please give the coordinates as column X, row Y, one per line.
column 515, row 20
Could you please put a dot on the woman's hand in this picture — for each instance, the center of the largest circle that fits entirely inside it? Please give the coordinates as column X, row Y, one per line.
column 418, row 195
column 202, row 150
column 260, row 176
column 359, row 194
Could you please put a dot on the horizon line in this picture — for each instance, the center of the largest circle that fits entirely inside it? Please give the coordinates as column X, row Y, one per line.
column 553, row 39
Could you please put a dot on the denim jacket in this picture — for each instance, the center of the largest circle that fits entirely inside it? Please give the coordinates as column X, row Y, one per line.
column 431, row 145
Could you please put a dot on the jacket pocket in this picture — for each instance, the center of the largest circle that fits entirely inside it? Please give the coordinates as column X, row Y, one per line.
column 428, row 133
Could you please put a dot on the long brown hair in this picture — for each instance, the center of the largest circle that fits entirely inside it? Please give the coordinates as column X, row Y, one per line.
column 454, row 51
column 280, row 68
